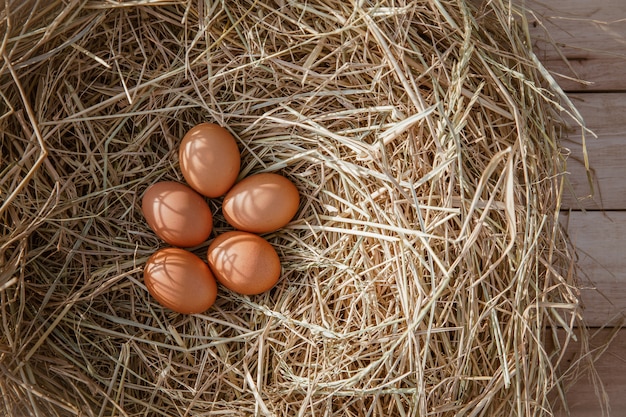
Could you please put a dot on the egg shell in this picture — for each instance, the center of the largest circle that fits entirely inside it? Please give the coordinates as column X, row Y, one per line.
column 261, row 203
column 180, row 281
column 177, row 214
column 209, row 159
column 244, row 262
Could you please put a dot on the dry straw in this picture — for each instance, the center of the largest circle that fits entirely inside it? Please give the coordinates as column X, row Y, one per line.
column 425, row 271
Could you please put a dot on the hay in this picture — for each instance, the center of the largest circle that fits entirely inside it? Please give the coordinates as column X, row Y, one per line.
column 422, row 276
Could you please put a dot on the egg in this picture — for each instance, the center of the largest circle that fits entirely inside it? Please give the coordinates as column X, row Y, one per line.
column 177, row 214
column 261, row 203
column 209, row 159
column 180, row 281
column 244, row 262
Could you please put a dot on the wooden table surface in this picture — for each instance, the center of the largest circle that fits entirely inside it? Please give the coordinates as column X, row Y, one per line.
column 591, row 34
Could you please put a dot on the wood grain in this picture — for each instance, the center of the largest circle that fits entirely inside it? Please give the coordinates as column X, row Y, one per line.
column 583, row 29
column 600, row 74
column 598, row 241
column 603, row 114
column 610, row 365
column 590, row 34
column 586, row 39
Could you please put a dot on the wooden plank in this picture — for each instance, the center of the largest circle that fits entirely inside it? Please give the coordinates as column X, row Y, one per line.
column 598, row 239
column 603, row 114
column 590, row 34
column 581, row 398
column 601, row 74
column 582, row 29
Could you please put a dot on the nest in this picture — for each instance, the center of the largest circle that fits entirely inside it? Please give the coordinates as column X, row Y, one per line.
column 423, row 275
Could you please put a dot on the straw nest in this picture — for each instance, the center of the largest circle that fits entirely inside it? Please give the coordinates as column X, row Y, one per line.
column 425, row 270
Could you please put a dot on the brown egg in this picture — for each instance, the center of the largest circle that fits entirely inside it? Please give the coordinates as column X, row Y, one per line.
column 180, row 281
column 261, row 203
column 244, row 262
column 177, row 214
column 209, row 159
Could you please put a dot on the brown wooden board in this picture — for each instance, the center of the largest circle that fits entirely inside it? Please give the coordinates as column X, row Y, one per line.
column 605, row 115
column 601, row 74
column 590, row 34
column 598, row 238
column 610, row 365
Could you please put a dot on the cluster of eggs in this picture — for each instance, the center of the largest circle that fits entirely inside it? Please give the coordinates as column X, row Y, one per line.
column 240, row 260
